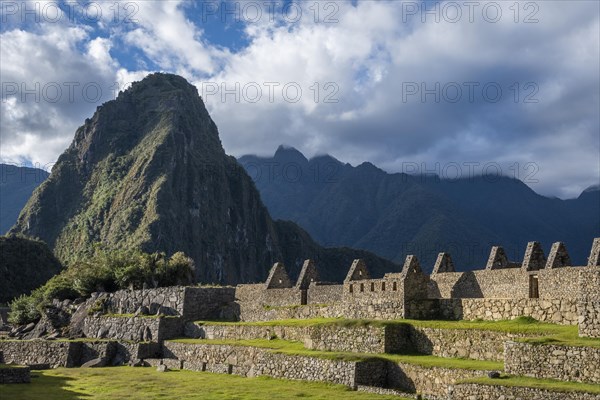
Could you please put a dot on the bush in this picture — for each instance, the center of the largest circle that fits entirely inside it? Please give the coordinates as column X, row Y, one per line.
column 105, row 271
column 23, row 310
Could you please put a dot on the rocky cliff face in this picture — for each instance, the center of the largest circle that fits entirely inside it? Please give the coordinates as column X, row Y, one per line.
column 148, row 171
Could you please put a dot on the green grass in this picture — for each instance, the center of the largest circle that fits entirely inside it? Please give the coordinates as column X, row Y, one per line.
column 564, row 339
column 521, row 325
column 146, row 383
column 298, row 349
column 548, row 384
column 9, row 366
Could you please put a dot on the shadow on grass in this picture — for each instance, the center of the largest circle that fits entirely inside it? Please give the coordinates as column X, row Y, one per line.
column 42, row 387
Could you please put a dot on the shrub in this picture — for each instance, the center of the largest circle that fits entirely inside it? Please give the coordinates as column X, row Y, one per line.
column 105, row 271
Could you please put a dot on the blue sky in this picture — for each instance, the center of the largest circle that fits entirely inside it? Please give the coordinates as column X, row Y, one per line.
column 450, row 87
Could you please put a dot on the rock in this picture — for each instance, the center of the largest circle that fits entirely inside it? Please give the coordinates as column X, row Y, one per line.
column 118, row 361
column 28, row 328
column 494, row 375
column 53, row 336
column 96, row 362
column 137, row 363
column 162, row 368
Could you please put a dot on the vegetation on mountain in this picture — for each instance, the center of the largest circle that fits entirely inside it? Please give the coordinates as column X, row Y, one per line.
column 25, row 264
column 105, row 271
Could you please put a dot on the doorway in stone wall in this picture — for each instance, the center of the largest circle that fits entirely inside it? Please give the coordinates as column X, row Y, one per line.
column 534, row 289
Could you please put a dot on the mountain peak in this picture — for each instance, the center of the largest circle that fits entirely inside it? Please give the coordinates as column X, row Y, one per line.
column 289, row 154
column 159, row 109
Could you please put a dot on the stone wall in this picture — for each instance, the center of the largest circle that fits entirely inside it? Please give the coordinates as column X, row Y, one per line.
column 589, row 302
column 14, row 374
column 580, row 364
column 558, row 283
column 167, row 301
column 373, row 291
column 252, row 299
column 251, row 361
column 432, row 382
column 459, row 343
column 239, row 332
column 356, row 339
column 324, row 293
column 209, row 303
column 192, row 303
column 53, row 354
column 499, row 283
column 488, row 392
column 103, row 350
column 376, row 310
column 137, row 329
column 402, row 338
column 556, row 311
column 41, row 353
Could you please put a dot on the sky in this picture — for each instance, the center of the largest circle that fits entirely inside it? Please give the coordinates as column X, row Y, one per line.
column 457, row 88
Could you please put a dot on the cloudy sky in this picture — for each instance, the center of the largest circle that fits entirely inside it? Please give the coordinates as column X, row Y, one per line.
column 453, row 87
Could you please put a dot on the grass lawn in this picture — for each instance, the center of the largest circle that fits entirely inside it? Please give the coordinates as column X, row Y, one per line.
column 564, row 339
column 297, row 348
column 7, row 366
column 549, row 384
column 145, row 383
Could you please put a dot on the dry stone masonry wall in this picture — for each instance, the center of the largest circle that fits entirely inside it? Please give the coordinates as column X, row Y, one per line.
column 589, row 301
column 251, row 361
column 488, row 392
column 192, row 303
column 140, row 329
column 580, row 364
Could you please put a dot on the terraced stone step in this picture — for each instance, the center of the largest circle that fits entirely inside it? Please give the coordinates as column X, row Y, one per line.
column 443, row 339
column 482, row 391
column 291, row 361
column 567, row 363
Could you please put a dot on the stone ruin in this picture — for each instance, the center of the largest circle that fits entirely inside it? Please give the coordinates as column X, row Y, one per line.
column 136, row 326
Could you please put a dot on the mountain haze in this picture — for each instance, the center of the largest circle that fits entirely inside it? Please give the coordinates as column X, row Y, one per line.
column 397, row 214
column 148, row 171
column 16, row 186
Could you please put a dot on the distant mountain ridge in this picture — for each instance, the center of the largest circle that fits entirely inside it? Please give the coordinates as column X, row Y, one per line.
column 148, row 171
column 397, row 214
column 16, row 186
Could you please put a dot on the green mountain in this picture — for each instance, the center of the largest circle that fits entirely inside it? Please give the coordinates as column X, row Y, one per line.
column 16, row 186
column 397, row 214
column 26, row 265
column 148, row 171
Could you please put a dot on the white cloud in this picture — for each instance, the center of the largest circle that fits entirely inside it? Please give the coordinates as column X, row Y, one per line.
column 370, row 54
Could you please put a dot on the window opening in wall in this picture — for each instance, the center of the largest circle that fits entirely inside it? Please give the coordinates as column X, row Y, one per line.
column 362, row 287
column 383, row 286
column 394, row 286
column 372, row 286
column 534, row 288
column 351, row 288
